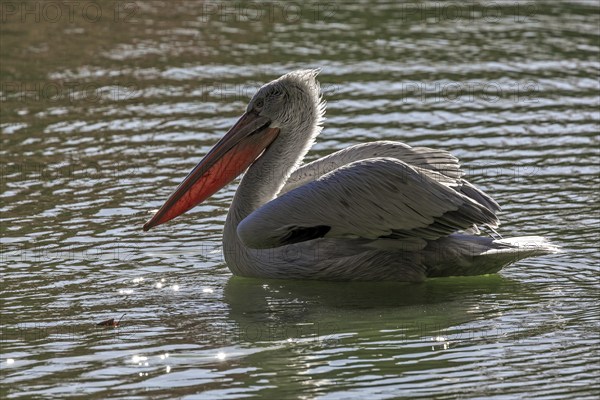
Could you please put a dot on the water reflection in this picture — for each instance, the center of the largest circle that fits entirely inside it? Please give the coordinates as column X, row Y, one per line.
column 271, row 312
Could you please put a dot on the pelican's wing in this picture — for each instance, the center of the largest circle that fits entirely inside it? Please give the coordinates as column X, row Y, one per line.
column 439, row 161
column 372, row 198
column 440, row 164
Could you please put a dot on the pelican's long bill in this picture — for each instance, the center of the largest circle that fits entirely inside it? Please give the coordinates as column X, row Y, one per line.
column 239, row 148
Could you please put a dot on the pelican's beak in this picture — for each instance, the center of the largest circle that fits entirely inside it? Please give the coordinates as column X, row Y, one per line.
column 239, row 148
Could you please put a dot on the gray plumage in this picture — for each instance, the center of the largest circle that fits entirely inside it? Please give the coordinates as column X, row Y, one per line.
column 375, row 211
column 370, row 199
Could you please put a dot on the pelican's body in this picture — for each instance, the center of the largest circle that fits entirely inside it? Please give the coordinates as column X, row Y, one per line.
column 376, row 211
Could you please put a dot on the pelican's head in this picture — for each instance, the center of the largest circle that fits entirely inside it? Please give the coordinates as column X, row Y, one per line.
column 292, row 103
column 289, row 108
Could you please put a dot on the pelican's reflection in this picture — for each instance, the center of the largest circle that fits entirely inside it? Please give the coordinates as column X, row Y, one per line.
column 278, row 310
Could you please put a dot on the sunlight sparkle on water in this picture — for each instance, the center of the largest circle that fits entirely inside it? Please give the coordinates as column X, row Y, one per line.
column 138, row 359
column 444, row 342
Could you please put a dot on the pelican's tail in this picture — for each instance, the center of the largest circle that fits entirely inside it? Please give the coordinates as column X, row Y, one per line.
column 460, row 254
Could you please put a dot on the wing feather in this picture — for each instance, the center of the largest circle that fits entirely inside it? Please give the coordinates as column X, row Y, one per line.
column 423, row 157
column 438, row 164
column 371, row 198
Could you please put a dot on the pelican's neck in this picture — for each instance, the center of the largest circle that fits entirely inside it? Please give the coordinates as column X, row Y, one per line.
column 299, row 122
column 267, row 175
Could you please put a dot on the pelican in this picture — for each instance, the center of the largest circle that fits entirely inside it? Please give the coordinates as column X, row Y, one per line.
column 374, row 211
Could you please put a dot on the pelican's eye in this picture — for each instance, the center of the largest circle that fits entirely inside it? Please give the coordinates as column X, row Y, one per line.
column 258, row 104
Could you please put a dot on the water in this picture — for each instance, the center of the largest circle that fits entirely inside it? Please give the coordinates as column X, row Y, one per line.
column 103, row 114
